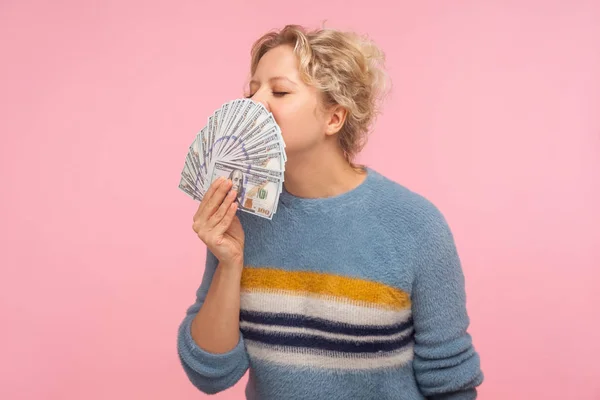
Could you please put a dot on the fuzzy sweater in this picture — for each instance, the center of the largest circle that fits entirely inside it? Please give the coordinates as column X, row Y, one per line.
column 357, row 296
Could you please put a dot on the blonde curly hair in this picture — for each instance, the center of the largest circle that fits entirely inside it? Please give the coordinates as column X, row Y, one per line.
column 346, row 67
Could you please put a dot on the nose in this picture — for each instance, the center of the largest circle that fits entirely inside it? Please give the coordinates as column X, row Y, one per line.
column 261, row 97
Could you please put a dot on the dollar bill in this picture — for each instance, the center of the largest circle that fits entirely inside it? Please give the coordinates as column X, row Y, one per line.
column 236, row 118
column 258, row 130
column 188, row 189
column 233, row 115
column 266, row 139
column 270, row 148
column 257, row 193
column 272, row 161
column 254, row 118
column 256, row 169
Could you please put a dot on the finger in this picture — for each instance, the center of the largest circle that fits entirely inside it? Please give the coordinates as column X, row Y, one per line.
column 209, row 193
column 225, row 223
column 216, row 199
column 222, row 210
column 211, row 190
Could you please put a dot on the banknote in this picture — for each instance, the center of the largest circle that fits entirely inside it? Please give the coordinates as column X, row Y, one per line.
column 256, row 193
column 272, row 161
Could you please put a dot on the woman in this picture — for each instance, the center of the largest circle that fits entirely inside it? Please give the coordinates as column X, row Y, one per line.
column 354, row 290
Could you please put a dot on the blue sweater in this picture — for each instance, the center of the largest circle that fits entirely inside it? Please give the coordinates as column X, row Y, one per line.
column 357, row 296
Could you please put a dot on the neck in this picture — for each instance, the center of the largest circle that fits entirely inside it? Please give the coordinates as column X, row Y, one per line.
column 321, row 174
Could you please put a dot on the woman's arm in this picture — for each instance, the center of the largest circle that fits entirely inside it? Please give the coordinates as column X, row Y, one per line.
column 446, row 364
column 216, row 327
column 210, row 344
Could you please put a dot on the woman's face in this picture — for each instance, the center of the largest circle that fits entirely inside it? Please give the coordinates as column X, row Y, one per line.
column 236, row 179
column 277, row 85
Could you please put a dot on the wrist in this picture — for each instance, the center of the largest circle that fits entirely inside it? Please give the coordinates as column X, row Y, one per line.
column 233, row 265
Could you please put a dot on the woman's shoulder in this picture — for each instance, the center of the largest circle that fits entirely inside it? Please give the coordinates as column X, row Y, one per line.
column 402, row 203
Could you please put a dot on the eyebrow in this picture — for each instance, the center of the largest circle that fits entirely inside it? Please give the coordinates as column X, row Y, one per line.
column 275, row 78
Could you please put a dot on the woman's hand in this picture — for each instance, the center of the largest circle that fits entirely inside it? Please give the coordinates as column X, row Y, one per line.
column 217, row 225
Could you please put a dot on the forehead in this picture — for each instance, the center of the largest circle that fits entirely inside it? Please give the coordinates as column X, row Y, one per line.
column 279, row 61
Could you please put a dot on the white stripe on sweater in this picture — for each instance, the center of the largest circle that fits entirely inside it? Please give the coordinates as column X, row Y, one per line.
column 304, row 357
column 328, row 308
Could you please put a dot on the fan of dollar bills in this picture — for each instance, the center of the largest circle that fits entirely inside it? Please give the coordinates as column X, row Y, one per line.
column 241, row 141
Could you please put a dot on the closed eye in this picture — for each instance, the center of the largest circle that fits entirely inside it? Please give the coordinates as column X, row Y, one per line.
column 276, row 94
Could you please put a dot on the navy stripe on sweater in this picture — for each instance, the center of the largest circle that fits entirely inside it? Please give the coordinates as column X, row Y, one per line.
column 301, row 321
column 308, row 341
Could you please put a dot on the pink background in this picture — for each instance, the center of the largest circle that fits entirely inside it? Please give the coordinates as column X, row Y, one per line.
column 495, row 116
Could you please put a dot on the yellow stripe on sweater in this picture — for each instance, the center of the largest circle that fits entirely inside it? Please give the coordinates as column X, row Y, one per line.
column 322, row 284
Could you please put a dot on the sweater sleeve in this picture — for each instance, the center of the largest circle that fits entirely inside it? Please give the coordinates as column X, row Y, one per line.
column 446, row 365
column 209, row 372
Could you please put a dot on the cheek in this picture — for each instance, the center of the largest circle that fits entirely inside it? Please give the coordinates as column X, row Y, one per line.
column 296, row 119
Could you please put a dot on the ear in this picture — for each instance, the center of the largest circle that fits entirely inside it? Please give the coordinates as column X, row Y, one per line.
column 335, row 120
